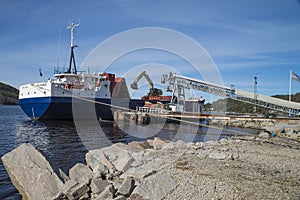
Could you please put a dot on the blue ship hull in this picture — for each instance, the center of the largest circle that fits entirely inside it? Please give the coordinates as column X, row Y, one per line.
column 56, row 108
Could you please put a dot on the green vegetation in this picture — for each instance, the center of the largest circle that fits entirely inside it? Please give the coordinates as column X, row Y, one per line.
column 295, row 97
column 230, row 105
column 8, row 95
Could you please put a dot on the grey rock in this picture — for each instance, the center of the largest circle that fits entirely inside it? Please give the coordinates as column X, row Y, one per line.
column 108, row 193
column 85, row 197
column 137, row 155
column 69, row 185
column 118, row 156
column 81, row 173
column 155, row 187
column 100, row 171
column 158, row 143
column 73, row 190
column 31, row 173
column 138, row 173
column 140, row 145
column 292, row 134
column 113, row 157
column 169, row 146
column 190, row 145
column 150, row 142
column 127, row 187
column 117, row 184
column 77, row 192
column 123, row 163
column 218, row 155
column 137, row 197
column 96, row 157
column 120, row 198
column 98, row 185
column 203, row 153
column 264, row 134
column 60, row 196
column 136, row 163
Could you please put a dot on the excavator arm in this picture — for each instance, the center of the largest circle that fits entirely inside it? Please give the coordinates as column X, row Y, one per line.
column 153, row 91
column 138, row 78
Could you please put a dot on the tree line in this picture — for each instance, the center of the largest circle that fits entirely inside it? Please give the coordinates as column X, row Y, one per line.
column 8, row 95
column 231, row 105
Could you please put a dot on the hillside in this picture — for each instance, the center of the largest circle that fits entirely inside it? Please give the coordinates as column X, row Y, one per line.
column 230, row 105
column 8, row 94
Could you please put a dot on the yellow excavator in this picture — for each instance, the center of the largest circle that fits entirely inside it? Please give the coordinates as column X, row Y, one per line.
column 153, row 92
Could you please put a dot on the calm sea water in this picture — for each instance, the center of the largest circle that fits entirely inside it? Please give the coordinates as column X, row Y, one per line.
column 66, row 143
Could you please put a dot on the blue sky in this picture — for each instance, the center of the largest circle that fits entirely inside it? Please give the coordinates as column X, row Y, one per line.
column 243, row 38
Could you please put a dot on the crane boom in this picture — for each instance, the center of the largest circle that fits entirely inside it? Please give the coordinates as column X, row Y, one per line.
column 153, row 92
column 138, row 78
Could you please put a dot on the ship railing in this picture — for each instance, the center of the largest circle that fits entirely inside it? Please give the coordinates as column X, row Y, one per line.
column 150, row 110
column 59, row 70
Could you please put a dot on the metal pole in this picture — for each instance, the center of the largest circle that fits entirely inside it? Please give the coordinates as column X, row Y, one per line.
column 290, row 88
column 255, row 92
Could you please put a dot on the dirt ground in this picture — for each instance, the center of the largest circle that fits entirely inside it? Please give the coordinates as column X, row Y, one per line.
column 239, row 168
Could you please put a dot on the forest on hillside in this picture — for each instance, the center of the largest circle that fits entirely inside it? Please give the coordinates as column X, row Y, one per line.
column 8, row 95
column 230, row 105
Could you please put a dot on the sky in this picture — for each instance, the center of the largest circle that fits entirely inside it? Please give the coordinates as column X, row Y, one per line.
column 242, row 38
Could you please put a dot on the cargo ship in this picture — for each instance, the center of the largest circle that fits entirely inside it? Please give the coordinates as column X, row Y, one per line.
column 56, row 98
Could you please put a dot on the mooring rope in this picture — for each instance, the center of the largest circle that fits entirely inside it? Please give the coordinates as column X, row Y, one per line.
column 164, row 116
column 242, row 133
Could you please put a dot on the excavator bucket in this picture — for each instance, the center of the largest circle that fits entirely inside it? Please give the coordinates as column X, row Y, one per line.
column 134, row 86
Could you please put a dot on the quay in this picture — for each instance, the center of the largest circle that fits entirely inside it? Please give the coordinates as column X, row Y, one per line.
column 143, row 113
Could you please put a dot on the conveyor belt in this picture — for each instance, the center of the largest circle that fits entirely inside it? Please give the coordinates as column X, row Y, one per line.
column 176, row 81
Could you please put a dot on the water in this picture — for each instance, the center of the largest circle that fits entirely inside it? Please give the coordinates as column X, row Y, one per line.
column 66, row 144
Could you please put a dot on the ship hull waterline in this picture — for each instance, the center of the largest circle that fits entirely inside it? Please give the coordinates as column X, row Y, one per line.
column 66, row 108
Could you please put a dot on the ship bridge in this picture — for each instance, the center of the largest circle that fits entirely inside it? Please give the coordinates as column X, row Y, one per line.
column 178, row 83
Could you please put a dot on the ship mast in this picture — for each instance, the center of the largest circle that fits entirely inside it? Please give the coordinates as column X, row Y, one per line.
column 72, row 57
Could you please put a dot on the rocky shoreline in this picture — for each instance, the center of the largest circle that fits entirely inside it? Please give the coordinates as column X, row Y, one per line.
column 255, row 167
column 288, row 128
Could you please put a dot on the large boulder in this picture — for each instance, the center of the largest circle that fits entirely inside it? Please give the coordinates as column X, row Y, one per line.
column 30, row 172
column 81, row 173
column 114, row 157
column 98, row 185
column 126, row 187
column 154, row 187
column 139, row 173
column 96, row 158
